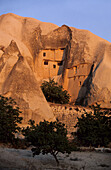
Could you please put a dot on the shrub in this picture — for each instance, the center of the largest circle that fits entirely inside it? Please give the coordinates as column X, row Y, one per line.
column 94, row 129
column 54, row 92
column 9, row 119
column 47, row 137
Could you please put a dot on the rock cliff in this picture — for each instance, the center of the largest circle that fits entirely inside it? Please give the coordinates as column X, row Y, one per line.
column 31, row 49
column 17, row 77
column 87, row 48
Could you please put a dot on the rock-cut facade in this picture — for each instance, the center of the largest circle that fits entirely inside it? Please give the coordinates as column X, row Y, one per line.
column 32, row 51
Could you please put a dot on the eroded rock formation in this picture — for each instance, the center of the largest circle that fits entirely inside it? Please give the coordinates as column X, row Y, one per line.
column 31, row 50
column 90, row 62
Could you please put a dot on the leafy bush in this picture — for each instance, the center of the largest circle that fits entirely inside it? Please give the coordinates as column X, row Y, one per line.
column 9, row 119
column 47, row 137
column 94, row 129
column 54, row 92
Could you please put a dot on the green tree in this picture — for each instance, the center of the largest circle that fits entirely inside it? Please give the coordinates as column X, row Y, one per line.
column 54, row 92
column 94, row 128
column 47, row 137
column 9, row 119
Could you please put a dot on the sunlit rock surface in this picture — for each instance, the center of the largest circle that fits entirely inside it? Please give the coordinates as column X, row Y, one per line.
column 31, row 50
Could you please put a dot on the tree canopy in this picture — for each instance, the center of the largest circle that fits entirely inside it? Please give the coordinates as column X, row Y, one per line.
column 94, row 128
column 47, row 137
column 9, row 119
column 54, row 92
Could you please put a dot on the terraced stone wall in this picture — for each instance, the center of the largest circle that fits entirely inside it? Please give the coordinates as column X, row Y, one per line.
column 67, row 114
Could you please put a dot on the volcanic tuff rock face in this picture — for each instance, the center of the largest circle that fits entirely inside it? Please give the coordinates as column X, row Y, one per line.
column 17, row 78
column 78, row 59
column 91, row 52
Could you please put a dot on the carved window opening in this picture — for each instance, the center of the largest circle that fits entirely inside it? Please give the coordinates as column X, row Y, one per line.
column 60, row 63
column 76, row 69
column 45, row 62
column 80, row 83
column 44, row 54
column 74, row 78
column 54, row 66
column 62, row 48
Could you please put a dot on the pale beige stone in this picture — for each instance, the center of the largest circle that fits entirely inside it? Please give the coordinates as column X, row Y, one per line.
column 77, row 59
column 18, row 81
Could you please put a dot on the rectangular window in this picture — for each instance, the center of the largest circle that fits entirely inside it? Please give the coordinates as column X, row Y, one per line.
column 60, row 63
column 45, row 62
column 76, row 69
column 62, row 48
column 44, row 54
column 54, row 66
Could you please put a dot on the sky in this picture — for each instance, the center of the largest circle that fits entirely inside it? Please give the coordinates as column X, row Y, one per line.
column 92, row 15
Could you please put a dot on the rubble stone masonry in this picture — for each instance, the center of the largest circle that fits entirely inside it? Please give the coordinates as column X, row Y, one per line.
column 68, row 115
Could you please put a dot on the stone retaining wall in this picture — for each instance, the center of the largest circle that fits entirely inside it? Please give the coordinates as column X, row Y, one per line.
column 67, row 114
